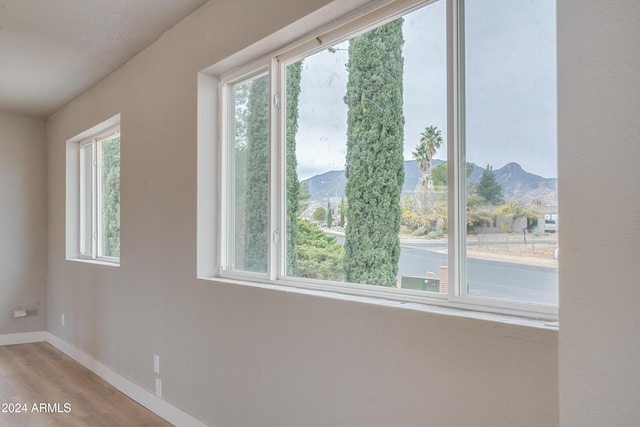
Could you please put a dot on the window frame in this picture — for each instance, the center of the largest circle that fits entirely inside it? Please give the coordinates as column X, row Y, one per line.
column 79, row 190
column 95, row 191
column 275, row 64
column 226, row 85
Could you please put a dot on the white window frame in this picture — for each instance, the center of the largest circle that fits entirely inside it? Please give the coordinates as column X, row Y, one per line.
column 276, row 63
column 76, row 193
column 226, row 170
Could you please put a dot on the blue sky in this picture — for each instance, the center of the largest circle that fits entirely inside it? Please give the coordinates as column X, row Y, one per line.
column 510, row 84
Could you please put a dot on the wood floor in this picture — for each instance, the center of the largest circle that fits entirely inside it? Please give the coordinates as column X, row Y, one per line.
column 51, row 389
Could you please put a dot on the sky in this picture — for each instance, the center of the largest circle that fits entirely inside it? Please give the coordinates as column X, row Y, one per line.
column 510, row 83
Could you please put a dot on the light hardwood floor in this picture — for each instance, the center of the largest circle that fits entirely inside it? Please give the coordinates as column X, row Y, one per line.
column 39, row 373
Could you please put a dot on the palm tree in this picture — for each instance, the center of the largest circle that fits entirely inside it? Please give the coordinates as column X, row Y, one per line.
column 430, row 141
column 420, row 156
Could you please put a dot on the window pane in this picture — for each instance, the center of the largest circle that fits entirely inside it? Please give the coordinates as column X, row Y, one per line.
column 510, row 108
column 86, row 217
column 110, row 196
column 249, row 193
column 366, row 139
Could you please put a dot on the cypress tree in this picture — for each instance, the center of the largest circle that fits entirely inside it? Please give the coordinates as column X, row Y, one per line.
column 329, row 215
column 374, row 159
column 111, row 197
column 294, row 72
column 257, row 206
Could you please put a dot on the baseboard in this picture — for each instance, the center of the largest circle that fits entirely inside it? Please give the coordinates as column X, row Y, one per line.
column 147, row 399
column 23, row 338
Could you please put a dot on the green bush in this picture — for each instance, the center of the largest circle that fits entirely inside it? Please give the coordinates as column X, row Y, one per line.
column 319, row 256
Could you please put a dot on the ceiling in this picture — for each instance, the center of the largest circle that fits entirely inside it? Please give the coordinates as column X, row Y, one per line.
column 52, row 51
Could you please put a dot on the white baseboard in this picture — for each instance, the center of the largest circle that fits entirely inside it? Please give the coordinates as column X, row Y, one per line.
column 23, row 338
column 142, row 396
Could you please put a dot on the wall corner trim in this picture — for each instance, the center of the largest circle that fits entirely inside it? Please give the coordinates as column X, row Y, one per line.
column 144, row 397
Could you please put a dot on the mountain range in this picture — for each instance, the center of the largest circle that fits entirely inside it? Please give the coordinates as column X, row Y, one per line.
column 516, row 182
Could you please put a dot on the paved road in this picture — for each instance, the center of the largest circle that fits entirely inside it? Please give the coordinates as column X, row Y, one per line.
column 486, row 278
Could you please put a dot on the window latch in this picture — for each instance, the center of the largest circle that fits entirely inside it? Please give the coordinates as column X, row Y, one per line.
column 276, row 101
column 276, row 237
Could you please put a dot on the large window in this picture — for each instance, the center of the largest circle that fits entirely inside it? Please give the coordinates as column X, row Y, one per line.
column 410, row 154
column 95, row 232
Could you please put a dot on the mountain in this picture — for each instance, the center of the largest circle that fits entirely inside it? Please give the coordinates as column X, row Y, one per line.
column 327, row 185
column 515, row 181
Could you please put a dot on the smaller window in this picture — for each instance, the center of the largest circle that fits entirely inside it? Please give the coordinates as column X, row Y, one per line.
column 93, row 190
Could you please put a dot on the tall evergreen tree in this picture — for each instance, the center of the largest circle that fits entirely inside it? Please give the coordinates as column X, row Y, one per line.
column 488, row 187
column 257, row 206
column 294, row 72
column 374, row 159
column 342, row 212
column 241, row 110
column 329, row 215
column 111, row 197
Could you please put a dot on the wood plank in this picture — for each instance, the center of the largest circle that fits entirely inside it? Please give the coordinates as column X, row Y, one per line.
column 39, row 373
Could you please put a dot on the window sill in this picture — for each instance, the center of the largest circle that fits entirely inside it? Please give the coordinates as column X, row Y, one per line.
column 95, row 261
column 444, row 308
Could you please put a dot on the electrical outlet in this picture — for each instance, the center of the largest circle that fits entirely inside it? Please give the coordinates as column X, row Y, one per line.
column 158, row 387
column 156, row 363
column 62, row 319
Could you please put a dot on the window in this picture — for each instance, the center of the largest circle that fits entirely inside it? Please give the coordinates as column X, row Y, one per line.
column 247, row 244
column 94, row 194
column 508, row 129
column 410, row 154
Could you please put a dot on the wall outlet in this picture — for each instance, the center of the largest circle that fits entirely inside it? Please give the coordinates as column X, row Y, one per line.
column 158, row 387
column 62, row 319
column 19, row 313
column 156, row 363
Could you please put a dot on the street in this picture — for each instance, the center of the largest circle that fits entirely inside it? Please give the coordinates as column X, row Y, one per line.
column 490, row 279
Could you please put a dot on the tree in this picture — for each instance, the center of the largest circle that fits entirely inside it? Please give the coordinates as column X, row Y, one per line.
column 110, row 152
column 320, row 214
column 319, row 256
column 329, row 215
column 488, row 188
column 240, row 157
column 294, row 72
column 430, row 141
column 342, row 212
column 303, row 197
column 440, row 174
column 477, row 213
column 513, row 210
column 257, row 208
column 420, row 156
column 374, row 159
column 241, row 111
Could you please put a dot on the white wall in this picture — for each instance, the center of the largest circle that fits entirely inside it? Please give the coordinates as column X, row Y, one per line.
column 599, row 158
column 234, row 355
column 23, row 211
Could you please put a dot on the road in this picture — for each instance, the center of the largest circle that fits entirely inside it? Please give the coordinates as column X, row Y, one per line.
column 486, row 278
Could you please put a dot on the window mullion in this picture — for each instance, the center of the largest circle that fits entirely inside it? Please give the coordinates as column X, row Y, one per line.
column 94, row 199
column 456, row 151
column 227, row 219
column 277, row 174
